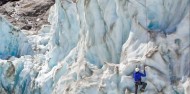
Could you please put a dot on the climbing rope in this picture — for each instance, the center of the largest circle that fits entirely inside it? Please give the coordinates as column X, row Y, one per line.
column 146, row 27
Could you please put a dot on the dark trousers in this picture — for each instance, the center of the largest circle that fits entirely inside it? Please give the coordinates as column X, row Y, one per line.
column 140, row 83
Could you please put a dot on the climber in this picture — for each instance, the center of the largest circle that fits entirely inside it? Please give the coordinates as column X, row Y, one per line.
column 137, row 77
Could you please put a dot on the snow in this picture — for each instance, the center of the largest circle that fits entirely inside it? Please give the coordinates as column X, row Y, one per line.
column 93, row 47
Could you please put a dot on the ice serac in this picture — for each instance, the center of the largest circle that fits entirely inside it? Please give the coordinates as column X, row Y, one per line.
column 13, row 41
column 105, row 32
column 65, row 27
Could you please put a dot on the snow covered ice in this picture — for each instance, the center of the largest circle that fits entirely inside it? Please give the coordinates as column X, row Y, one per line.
column 93, row 47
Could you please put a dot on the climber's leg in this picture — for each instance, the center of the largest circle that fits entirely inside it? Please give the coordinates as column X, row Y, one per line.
column 143, row 86
column 136, row 87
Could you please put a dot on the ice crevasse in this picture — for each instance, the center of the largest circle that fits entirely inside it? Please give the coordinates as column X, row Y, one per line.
column 93, row 46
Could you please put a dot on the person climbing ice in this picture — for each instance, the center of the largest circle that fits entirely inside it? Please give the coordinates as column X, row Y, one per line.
column 137, row 78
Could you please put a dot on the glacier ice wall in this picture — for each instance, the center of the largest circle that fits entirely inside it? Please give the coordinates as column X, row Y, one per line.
column 126, row 34
column 13, row 42
column 93, row 46
column 66, row 31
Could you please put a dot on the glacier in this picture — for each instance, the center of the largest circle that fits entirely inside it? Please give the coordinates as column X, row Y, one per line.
column 13, row 42
column 93, row 47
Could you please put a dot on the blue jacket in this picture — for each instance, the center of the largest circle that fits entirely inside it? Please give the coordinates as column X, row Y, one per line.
column 137, row 76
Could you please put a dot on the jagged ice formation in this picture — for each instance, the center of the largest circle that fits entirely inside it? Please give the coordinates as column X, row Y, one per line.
column 93, row 46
